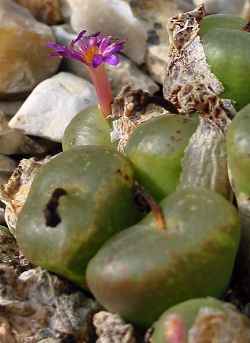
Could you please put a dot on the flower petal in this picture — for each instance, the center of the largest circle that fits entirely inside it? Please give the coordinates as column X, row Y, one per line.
column 79, row 37
column 112, row 59
column 75, row 55
column 63, row 51
column 53, row 45
column 97, row 60
column 82, row 45
column 92, row 41
column 114, row 48
column 105, row 42
column 92, row 50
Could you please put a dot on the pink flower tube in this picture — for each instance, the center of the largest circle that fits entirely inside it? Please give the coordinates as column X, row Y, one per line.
column 94, row 51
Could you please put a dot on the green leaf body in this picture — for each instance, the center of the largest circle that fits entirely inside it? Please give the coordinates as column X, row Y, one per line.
column 228, row 56
column 78, row 200
column 88, row 127
column 156, row 149
column 216, row 21
column 144, row 270
column 238, row 150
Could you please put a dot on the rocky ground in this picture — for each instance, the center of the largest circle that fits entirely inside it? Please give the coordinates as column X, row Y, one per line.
column 38, row 98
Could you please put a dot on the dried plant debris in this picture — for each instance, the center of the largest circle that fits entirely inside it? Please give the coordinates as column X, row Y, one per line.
column 191, row 87
column 189, row 84
column 220, row 326
column 110, row 328
column 14, row 193
column 132, row 108
column 9, row 252
column 38, row 306
column 211, row 171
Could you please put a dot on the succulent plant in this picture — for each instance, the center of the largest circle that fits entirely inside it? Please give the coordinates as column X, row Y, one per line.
column 223, row 21
column 144, row 270
column 78, row 200
column 201, row 320
column 192, row 87
column 238, row 149
column 227, row 49
column 88, row 127
column 156, row 149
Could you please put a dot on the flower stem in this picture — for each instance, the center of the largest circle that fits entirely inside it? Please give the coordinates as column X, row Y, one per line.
column 155, row 208
column 103, row 88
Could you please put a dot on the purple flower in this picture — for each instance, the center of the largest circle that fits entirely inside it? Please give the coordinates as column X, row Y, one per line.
column 92, row 50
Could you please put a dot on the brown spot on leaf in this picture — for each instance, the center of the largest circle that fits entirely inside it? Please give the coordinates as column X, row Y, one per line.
column 123, row 175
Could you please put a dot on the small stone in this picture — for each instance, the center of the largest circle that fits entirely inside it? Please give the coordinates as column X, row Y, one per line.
column 23, row 51
column 10, row 107
column 156, row 61
column 7, row 166
column 112, row 328
column 155, row 15
column 46, row 11
column 14, row 142
column 65, row 9
column 52, row 105
column 125, row 74
column 14, row 193
column 246, row 10
column 5, row 332
column 185, row 5
column 52, row 340
column 63, row 33
column 113, row 18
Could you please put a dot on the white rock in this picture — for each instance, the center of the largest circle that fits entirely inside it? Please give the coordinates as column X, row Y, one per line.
column 156, row 61
column 155, row 15
column 52, row 104
column 123, row 74
column 66, row 11
column 63, row 33
column 112, row 17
